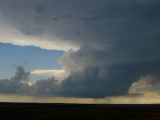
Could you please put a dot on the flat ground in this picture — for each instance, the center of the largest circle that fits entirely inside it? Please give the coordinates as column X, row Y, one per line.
column 32, row 111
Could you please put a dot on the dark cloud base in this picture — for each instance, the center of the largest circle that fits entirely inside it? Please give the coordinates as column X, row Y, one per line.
column 86, row 83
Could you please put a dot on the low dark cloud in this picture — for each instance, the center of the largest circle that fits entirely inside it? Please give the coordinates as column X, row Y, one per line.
column 88, row 82
column 21, row 74
column 18, row 84
column 105, row 78
column 46, row 87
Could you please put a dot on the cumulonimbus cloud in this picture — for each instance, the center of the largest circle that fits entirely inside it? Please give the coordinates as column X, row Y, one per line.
column 114, row 42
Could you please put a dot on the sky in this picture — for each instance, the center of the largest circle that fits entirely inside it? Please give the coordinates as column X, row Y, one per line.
column 30, row 57
column 99, row 50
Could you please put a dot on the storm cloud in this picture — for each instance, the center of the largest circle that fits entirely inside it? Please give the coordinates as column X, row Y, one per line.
column 18, row 84
column 98, row 23
column 108, row 44
column 94, row 77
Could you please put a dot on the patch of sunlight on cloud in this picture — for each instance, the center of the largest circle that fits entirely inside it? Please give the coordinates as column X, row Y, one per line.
column 9, row 34
column 58, row 74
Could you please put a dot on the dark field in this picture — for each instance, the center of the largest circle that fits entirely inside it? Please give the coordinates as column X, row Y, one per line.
column 31, row 111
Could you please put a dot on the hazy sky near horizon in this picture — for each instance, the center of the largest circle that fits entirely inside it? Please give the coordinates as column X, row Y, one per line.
column 80, row 48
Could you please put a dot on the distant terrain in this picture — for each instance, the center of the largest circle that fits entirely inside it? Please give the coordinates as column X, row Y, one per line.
column 38, row 111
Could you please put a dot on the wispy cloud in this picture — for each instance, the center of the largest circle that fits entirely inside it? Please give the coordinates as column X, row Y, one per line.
column 58, row 74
